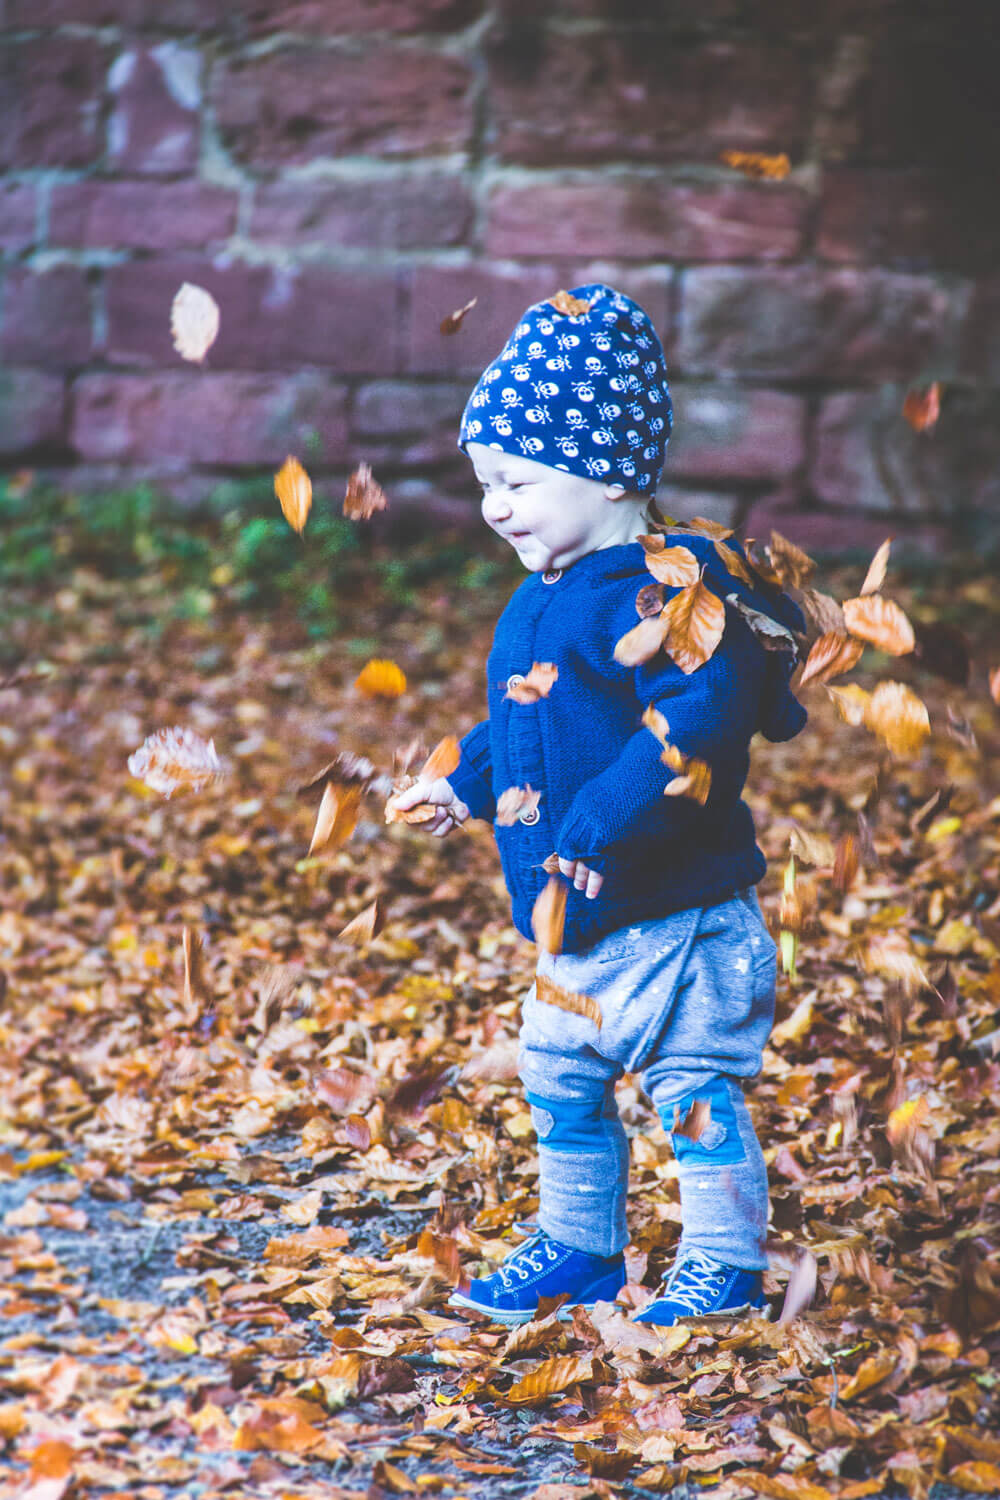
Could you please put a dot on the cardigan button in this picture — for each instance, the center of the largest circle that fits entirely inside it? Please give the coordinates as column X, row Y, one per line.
column 530, row 815
column 514, row 680
column 552, row 577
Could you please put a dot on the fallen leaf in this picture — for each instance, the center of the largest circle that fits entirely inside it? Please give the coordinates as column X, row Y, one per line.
column 364, row 495
column 758, row 164
column 337, row 817
column 293, row 488
column 551, row 1377
column 194, row 322
column 194, row 972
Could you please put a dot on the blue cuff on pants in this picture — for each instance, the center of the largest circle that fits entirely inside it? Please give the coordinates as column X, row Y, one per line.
column 568, row 1124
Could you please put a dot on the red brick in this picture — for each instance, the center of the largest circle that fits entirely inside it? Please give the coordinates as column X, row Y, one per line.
column 321, row 18
column 168, row 15
column 400, row 213
column 869, row 458
column 50, row 102
column 637, row 95
column 17, row 215
column 503, row 296
column 824, row 533
column 46, row 317
column 193, row 418
column 32, row 411
column 731, row 432
column 644, row 219
column 408, row 422
column 804, row 322
column 685, row 504
column 346, row 320
column 154, row 123
column 141, row 215
column 908, row 219
column 299, row 103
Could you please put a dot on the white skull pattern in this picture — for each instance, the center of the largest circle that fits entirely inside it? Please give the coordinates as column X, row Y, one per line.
column 535, row 350
column 502, row 425
column 601, row 436
column 609, row 410
column 575, row 418
column 530, row 444
column 521, row 372
column 538, row 414
column 510, row 397
column 583, row 390
column 567, row 447
column 545, row 388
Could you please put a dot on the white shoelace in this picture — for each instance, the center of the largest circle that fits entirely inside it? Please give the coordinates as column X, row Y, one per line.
column 526, row 1253
column 694, row 1282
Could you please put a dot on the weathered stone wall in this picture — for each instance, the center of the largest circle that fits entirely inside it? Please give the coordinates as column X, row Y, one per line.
column 343, row 173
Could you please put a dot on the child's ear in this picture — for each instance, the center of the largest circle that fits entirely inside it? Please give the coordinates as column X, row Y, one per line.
column 614, row 491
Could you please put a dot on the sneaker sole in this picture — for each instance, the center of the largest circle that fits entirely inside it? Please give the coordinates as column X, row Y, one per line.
column 727, row 1316
column 513, row 1319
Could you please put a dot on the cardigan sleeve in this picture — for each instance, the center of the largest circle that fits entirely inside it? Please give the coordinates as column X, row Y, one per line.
column 472, row 778
column 712, row 714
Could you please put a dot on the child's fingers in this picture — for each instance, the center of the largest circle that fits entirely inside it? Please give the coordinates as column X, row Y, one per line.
column 583, row 878
column 594, row 883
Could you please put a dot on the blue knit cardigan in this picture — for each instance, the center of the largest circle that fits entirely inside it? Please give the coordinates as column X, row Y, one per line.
column 598, row 769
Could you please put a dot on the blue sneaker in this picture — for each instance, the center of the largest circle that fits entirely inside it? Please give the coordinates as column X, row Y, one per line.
column 542, row 1267
column 700, row 1287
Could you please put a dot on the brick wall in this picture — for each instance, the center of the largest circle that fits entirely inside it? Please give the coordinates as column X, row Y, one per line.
column 343, row 173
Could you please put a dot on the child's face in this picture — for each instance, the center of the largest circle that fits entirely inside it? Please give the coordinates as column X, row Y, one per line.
column 549, row 517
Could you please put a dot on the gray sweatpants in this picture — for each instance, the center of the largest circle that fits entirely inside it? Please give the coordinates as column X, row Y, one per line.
column 687, row 1002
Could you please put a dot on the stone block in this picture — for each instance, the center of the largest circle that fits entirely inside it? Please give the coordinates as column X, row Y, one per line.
column 154, row 122
column 165, row 15
column 805, row 322
column 402, row 424
column 141, row 215
column 868, row 458
column 845, row 534
column 50, row 102
column 348, row 321
column 725, row 432
column 228, row 420
column 46, row 317
column 646, row 219
column 980, row 347
column 295, row 104
column 32, row 411
column 713, row 505
column 348, row 17
column 409, row 212
column 17, row 215
column 908, row 219
column 638, row 95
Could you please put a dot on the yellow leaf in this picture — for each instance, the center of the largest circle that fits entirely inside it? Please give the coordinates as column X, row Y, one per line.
column 852, row 702
column 293, row 488
column 194, row 322
column 898, row 717
column 812, row 848
column 978, row 1477
column 830, row 654
column 550, row 993
column 695, row 619
column 875, row 577
column 337, row 817
column 871, row 1372
column 790, row 563
column 656, row 722
column 568, row 305
column 880, row 621
column 758, row 164
column 305, row 1209
column 380, row 679
column 796, row 1025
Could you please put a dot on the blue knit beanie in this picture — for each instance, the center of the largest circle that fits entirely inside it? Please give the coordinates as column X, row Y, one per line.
column 584, row 390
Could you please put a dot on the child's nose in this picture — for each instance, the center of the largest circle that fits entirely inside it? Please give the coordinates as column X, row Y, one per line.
column 495, row 509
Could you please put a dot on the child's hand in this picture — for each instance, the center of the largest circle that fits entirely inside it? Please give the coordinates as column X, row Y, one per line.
column 449, row 811
column 583, row 878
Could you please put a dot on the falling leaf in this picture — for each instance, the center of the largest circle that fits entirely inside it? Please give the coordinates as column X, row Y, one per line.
column 548, row 915
column 194, row 972
column 846, row 862
column 890, row 953
column 772, row 635
column 829, row 656
column 194, row 322
column 515, row 801
column 173, row 758
column 811, row 848
column 454, row 320
column 380, row 679
column 293, row 488
column 364, row 495
column 656, row 723
column 801, row 1289
column 550, row 993
column 995, row 685
column 693, row 777
column 361, row 929
column 337, row 817
column 880, row 621
column 734, row 563
column 568, row 305
column 702, row 526
column 921, row 408
column 822, row 611
column 443, row 759
column 758, row 164
column 791, row 564
column 875, row 577
column 537, row 684
column 642, row 642
column 694, row 620
column 695, row 1122
column 674, row 566
column 852, row 703
column 898, row 717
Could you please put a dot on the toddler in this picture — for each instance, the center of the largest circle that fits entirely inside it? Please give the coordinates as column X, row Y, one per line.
column 567, row 430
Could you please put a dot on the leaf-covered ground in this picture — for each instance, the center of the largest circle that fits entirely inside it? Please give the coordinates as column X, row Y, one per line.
column 232, row 1210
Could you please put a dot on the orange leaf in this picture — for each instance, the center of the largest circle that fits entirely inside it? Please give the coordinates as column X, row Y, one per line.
column 194, row 970
column 568, row 305
column 337, row 816
column 52, row 1459
column 551, row 993
column 880, row 621
column 870, row 1372
column 977, row 1477
column 656, row 723
column 675, row 566
column 829, row 655
column 790, row 563
column 898, row 717
column 194, row 322
column 643, row 641
column 846, row 862
column 922, row 408
column 548, row 915
column 852, row 702
column 364, row 495
column 443, row 759
column 702, row 526
column 734, row 563
column 693, row 778
column 537, row 684
column 875, row 577
column 293, row 488
column 550, row 1377
column 695, row 619
column 381, row 679
column 453, row 322
column 758, row 164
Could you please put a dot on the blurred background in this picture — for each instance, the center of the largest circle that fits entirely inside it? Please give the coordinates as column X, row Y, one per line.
column 342, row 174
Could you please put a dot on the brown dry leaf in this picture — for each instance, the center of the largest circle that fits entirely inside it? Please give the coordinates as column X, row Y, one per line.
column 194, row 322
column 977, row 1477
column 337, row 817
column 551, row 1377
column 695, row 620
column 890, row 953
column 702, row 526
column 537, row 684
column 812, row 848
column 852, row 703
column 875, row 577
column 361, row 929
column 693, row 777
column 847, row 860
column 293, row 488
column 515, row 801
column 921, row 408
column 305, row 1210
column 675, row 566
column 734, row 563
column 772, row 635
column 443, row 1251
column 898, row 717
column 880, row 621
column 801, row 1288
column 643, row 641
column 792, row 565
column 829, row 655
column 379, row 678
column 995, row 685
column 870, row 1372
column 649, row 600
column 568, row 305
column 550, row 993
column 443, row 759
column 528, row 1337
column 498, row 1064
column 454, row 320
column 173, row 758
column 194, row 972
column 822, row 611
column 695, row 1122
column 364, row 495
column 781, row 1487
column 758, row 164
